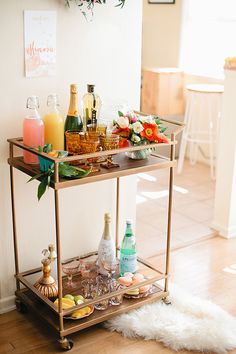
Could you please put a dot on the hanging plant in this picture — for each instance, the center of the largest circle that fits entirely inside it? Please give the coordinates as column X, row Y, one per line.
column 87, row 6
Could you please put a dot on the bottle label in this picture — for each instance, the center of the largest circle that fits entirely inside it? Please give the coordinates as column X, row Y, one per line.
column 94, row 117
column 106, row 253
column 128, row 263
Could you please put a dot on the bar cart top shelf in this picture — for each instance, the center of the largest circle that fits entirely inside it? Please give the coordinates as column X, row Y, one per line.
column 126, row 165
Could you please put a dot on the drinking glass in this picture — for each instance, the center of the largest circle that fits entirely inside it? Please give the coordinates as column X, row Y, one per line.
column 87, row 147
column 101, row 288
column 114, row 286
column 73, row 142
column 70, row 268
column 89, row 288
column 110, row 142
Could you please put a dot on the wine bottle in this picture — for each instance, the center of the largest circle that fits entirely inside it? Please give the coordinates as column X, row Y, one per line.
column 54, row 124
column 33, row 130
column 73, row 120
column 106, row 249
column 91, row 107
column 128, row 252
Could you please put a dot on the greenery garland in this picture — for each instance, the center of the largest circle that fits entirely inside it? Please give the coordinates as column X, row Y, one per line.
column 88, row 5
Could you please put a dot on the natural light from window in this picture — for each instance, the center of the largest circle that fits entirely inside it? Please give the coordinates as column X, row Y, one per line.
column 208, row 36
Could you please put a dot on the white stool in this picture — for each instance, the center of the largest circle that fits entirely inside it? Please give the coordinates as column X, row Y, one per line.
column 202, row 115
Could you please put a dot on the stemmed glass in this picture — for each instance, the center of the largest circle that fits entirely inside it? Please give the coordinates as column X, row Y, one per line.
column 110, row 142
column 90, row 146
column 70, row 269
column 110, row 265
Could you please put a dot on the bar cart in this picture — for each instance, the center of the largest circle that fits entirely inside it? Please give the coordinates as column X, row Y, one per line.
column 28, row 296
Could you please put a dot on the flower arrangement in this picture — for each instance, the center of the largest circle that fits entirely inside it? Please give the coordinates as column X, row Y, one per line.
column 139, row 130
column 86, row 6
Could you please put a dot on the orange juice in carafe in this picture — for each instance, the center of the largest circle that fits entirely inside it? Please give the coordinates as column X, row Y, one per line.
column 54, row 124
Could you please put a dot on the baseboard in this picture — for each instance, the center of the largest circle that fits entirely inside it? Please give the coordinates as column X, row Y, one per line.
column 7, row 304
column 226, row 232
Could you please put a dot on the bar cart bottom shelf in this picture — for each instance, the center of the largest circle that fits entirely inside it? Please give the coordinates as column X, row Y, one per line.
column 26, row 299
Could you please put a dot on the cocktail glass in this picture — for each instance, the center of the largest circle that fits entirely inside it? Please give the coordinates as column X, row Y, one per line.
column 70, row 269
column 110, row 142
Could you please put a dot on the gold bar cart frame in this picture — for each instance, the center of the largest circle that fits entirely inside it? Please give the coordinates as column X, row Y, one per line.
column 29, row 294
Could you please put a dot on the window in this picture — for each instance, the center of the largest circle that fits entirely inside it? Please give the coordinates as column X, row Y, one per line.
column 208, row 36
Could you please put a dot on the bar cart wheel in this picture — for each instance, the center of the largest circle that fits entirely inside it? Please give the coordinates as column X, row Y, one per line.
column 166, row 300
column 66, row 343
column 20, row 306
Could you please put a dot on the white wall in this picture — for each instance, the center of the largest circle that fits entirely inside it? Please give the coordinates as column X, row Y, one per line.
column 161, row 34
column 106, row 52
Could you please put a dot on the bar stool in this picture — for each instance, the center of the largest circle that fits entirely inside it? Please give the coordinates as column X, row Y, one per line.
column 201, row 119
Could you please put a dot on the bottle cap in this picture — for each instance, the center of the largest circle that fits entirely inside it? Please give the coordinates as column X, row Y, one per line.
column 51, row 247
column 129, row 221
column 73, row 88
column 90, row 88
column 107, row 217
column 52, row 99
column 32, row 102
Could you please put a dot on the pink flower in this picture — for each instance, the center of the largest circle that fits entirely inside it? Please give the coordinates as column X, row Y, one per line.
column 123, row 122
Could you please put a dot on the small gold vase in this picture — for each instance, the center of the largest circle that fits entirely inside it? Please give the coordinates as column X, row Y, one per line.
column 47, row 285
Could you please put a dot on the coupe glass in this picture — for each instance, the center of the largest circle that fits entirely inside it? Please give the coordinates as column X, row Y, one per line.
column 87, row 147
column 110, row 142
column 70, row 269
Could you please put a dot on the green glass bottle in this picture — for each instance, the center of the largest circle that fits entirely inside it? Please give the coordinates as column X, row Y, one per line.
column 128, row 252
column 73, row 120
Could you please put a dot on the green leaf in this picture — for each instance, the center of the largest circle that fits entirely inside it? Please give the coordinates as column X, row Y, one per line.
column 36, row 176
column 47, row 148
column 67, row 170
column 120, row 114
column 42, row 188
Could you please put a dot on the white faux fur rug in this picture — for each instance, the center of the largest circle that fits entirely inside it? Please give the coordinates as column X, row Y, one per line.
column 188, row 323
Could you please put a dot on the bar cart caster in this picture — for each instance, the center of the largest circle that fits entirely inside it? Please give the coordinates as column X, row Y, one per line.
column 166, row 300
column 20, row 306
column 66, row 343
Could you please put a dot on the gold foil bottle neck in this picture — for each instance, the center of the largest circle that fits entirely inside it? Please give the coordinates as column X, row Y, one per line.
column 107, row 218
column 73, row 88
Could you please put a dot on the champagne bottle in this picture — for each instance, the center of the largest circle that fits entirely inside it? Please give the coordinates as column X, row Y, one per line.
column 106, row 249
column 128, row 252
column 91, row 107
column 73, row 120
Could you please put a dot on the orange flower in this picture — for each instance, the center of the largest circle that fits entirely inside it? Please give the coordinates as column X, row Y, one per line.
column 123, row 132
column 150, row 131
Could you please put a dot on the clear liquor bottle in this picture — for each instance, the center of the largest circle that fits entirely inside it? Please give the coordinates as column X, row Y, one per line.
column 91, row 107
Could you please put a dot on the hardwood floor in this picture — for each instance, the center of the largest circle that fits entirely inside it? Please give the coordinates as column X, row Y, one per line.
column 202, row 269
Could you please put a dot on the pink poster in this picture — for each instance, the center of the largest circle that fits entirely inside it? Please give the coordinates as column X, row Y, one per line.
column 40, row 43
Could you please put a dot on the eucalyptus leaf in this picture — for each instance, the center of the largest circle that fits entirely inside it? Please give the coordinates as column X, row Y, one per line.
column 120, row 114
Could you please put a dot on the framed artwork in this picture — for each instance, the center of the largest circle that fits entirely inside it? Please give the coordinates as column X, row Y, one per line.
column 40, row 43
column 161, row 1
